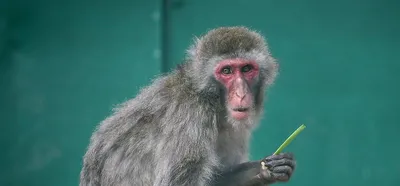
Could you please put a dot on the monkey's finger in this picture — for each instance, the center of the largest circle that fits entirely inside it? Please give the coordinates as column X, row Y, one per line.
column 280, row 162
column 265, row 172
column 288, row 162
column 280, row 156
column 283, row 169
column 266, row 176
column 281, row 177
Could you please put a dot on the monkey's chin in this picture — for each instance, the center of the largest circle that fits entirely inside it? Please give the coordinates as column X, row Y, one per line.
column 239, row 115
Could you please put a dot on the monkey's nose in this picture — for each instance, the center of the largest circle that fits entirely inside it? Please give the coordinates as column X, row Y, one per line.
column 240, row 95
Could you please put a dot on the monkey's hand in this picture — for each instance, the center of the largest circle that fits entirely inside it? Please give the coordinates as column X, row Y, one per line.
column 277, row 168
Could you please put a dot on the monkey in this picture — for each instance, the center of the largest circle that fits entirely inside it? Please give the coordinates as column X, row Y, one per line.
column 192, row 126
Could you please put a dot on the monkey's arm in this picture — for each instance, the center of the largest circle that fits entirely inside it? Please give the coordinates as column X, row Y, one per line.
column 243, row 174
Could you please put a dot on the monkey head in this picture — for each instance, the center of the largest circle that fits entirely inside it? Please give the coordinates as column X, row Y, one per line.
column 234, row 63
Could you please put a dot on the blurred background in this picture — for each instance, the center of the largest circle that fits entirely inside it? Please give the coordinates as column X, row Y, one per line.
column 65, row 64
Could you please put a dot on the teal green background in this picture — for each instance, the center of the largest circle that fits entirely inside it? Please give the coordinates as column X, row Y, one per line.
column 65, row 64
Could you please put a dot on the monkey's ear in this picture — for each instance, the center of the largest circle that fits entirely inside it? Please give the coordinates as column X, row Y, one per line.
column 276, row 66
column 194, row 50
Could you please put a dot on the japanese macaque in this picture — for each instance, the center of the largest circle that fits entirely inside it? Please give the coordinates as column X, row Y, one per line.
column 192, row 126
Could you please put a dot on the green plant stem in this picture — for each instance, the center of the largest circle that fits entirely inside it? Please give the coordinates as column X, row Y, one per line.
column 290, row 139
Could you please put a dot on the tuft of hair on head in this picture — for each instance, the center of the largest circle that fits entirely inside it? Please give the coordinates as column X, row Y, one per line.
column 226, row 41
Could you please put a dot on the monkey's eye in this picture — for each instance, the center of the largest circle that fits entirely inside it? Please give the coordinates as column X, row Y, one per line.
column 246, row 68
column 227, row 70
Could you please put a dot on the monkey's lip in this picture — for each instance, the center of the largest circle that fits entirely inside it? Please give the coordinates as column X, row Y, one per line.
column 240, row 109
column 240, row 113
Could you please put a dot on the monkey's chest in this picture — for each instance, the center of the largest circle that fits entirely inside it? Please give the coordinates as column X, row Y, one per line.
column 231, row 149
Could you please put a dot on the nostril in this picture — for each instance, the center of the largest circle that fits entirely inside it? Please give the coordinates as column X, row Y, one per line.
column 240, row 95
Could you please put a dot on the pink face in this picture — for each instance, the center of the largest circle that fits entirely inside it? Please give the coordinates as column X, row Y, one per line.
column 238, row 75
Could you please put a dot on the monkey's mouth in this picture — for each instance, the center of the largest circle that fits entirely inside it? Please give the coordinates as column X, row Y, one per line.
column 240, row 113
column 241, row 109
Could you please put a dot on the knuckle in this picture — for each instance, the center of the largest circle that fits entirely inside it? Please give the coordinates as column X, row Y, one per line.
column 271, row 157
column 294, row 164
column 289, row 155
column 288, row 169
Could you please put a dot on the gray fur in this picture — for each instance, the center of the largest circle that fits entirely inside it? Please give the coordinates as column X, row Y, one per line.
column 176, row 131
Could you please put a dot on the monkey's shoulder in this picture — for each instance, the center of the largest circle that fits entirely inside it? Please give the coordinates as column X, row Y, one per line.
column 166, row 98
